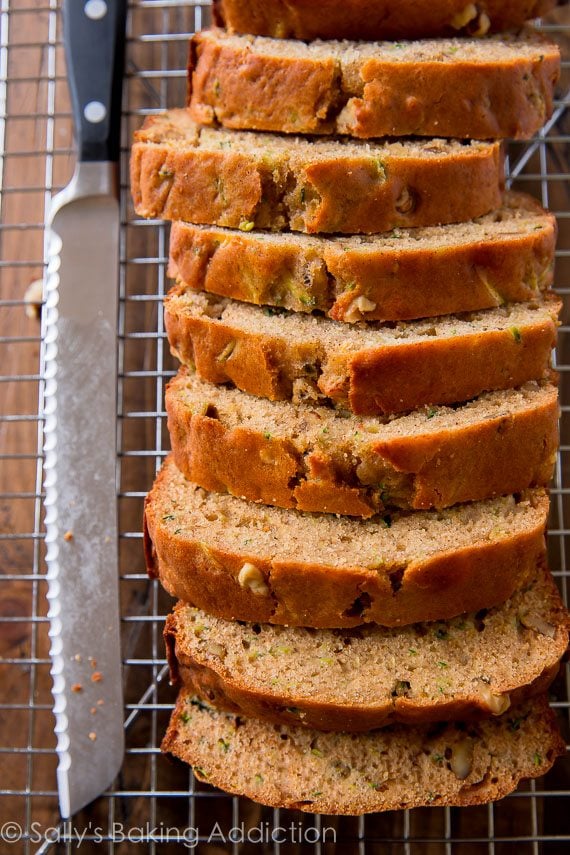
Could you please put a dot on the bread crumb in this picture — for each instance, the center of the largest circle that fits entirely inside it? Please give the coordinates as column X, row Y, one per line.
column 68, row 536
column 92, row 662
column 77, row 687
column 96, row 677
column 33, row 298
column 92, row 736
column 93, row 710
column 100, row 702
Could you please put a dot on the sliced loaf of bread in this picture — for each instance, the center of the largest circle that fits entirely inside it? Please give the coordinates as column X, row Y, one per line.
column 319, row 459
column 346, row 773
column 382, row 19
column 240, row 560
column 367, row 368
column 504, row 257
column 472, row 666
column 182, row 171
column 496, row 87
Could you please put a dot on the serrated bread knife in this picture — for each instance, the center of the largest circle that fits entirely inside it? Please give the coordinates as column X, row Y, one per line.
column 80, row 344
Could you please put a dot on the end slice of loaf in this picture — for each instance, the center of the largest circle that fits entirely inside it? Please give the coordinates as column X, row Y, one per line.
column 182, row 171
column 367, row 368
column 504, row 257
column 317, row 459
column 383, row 19
column 343, row 773
column 496, row 87
column 240, row 560
column 471, row 667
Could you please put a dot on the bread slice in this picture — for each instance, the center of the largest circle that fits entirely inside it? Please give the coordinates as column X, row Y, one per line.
column 504, row 257
column 182, row 171
column 317, row 459
column 240, row 560
column 473, row 666
column 497, row 87
column 383, row 19
column 369, row 369
column 345, row 773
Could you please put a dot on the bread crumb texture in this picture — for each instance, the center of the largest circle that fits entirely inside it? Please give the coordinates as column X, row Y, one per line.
column 398, row 767
column 503, row 257
column 473, row 666
column 370, row 369
column 470, row 88
column 316, row 458
column 322, row 570
column 183, row 171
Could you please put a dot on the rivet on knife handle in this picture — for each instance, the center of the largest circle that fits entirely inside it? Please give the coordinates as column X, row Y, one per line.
column 94, row 49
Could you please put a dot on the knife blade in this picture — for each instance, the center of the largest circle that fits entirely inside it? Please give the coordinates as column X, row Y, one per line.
column 80, row 407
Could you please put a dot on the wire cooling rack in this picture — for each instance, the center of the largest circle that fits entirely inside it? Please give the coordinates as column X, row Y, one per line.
column 155, row 806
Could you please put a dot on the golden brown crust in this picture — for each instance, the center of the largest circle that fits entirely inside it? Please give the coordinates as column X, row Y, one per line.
column 293, row 767
column 403, row 283
column 182, row 184
column 214, row 69
column 302, row 593
column 173, row 177
column 495, row 456
column 371, row 381
column 493, row 360
column 383, row 19
column 478, row 456
column 234, row 84
column 227, row 694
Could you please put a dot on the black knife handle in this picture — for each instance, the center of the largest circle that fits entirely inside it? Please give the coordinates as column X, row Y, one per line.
column 94, row 37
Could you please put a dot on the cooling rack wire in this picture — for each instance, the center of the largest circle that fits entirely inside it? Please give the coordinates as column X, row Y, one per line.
column 154, row 806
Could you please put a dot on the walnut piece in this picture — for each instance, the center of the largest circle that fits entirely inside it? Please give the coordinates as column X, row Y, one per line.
column 252, row 578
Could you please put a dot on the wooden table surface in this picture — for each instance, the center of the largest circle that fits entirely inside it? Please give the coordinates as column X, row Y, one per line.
column 27, row 170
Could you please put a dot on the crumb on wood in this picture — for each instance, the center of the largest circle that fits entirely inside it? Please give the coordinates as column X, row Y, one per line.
column 33, row 298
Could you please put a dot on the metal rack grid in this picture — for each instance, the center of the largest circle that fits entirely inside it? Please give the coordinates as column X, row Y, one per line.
column 148, row 808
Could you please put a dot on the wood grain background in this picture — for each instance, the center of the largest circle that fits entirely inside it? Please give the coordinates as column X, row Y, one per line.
column 38, row 156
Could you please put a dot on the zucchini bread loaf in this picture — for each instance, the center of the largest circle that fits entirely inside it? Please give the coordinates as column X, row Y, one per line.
column 366, row 368
column 319, row 459
column 295, row 767
column 472, row 666
column 389, row 306
column 245, row 561
column 382, row 19
column 503, row 257
column 497, row 87
column 182, row 171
